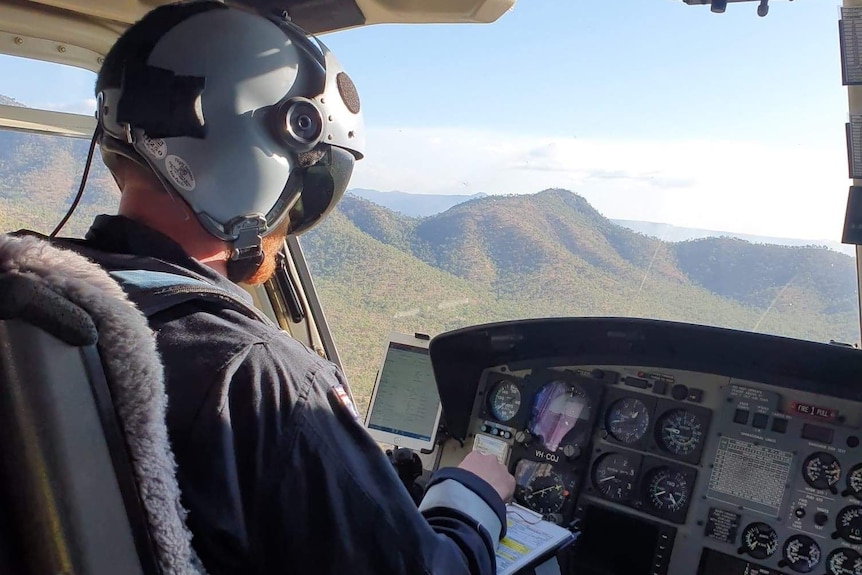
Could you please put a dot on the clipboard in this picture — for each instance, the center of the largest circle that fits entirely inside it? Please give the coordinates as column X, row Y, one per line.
column 529, row 540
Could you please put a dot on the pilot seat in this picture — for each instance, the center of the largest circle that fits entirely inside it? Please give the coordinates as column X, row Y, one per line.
column 87, row 475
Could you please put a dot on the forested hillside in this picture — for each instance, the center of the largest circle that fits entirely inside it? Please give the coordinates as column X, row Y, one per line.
column 490, row 258
column 552, row 254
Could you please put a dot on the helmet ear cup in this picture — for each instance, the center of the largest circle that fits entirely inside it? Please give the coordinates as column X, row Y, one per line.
column 299, row 124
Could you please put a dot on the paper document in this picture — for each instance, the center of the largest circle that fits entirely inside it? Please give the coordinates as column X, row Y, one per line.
column 528, row 538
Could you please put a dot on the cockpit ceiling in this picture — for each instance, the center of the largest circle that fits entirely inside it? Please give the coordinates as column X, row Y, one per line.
column 316, row 16
column 93, row 25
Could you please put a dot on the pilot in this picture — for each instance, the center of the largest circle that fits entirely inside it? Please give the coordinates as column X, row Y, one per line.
column 225, row 131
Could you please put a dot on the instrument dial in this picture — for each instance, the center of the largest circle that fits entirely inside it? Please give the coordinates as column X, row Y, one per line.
column 628, row 420
column 667, row 490
column 848, row 524
column 680, row 432
column 854, row 481
column 504, row 401
column 759, row 540
column 844, row 562
column 614, row 476
column 822, row 471
column 802, row 553
column 545, row 494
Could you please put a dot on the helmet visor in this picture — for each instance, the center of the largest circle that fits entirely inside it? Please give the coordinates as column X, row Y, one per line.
column 323, row 185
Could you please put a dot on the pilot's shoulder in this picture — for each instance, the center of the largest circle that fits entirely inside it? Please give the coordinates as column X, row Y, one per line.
column 320, row 380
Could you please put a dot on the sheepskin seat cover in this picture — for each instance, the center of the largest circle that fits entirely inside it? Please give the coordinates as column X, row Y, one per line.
column 135, row 375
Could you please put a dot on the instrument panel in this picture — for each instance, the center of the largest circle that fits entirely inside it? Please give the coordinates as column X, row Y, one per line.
column 662, row 470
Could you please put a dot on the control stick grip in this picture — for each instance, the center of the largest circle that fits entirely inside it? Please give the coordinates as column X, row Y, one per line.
column 408, row 466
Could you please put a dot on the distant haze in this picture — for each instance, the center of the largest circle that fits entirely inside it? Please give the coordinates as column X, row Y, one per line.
column 424, row 205
column 414, row 205
column 670, row 233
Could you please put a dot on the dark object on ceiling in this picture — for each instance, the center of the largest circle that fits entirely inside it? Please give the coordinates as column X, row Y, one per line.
column 314, row 16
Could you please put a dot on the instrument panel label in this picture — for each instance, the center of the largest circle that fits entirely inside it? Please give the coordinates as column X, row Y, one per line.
column 657, row 376
column 749, row 394
column 722, row 525
column 809, row 410
column 752, row 473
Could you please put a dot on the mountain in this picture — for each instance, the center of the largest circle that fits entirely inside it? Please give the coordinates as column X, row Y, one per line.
column 552, row 254
column 491, row 258
column 672, row 233
column 7, row 101
column 415, row 205
column 424, row 205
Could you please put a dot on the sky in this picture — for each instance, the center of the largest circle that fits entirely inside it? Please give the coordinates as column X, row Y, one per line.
column 651, row 109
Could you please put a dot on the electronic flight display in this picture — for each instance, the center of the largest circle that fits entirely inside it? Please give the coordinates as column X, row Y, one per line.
column 667, row 463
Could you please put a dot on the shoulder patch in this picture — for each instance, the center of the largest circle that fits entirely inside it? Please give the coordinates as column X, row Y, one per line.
column 344, row 399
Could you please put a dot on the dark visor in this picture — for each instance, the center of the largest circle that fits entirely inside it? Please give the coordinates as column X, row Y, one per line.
column 323, row 186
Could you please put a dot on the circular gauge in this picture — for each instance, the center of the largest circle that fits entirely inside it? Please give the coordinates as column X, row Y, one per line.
column 679, row 432
column 821, row 471
column 848, row 524
column 854, row 481
column 759, row 540
column 614, row 476
column 504, row 401
column 667, row 490
column 545, row 494
column 844, row 562
column 802, row 553
column 556, row 409
column 628, row 420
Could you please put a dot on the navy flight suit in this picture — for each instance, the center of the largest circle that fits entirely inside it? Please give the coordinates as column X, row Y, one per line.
column 276, row 472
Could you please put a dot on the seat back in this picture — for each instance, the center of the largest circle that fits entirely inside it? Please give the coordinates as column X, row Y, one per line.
column 87, row 477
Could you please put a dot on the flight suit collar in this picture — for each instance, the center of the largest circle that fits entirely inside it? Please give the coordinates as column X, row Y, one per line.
column 119, row 234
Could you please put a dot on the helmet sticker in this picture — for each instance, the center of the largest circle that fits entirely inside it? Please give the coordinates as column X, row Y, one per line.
column 180, row 173
column 157, row 148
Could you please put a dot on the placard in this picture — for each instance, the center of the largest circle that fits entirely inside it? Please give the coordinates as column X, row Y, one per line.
column 850, row 35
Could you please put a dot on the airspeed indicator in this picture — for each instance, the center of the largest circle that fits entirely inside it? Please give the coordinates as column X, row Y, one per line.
column 504, row 401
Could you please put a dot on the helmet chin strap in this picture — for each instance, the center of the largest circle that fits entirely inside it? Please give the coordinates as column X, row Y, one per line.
column 248, row 254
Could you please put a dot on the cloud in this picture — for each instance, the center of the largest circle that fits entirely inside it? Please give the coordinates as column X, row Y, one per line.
column 747, row 187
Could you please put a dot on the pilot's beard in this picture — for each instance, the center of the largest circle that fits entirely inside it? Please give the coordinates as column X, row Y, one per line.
column 270, row 245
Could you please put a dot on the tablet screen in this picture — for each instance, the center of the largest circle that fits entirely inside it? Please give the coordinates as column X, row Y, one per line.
column 405, row 404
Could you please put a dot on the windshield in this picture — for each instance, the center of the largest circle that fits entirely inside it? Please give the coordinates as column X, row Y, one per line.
column 637, row 158
column 629, row 158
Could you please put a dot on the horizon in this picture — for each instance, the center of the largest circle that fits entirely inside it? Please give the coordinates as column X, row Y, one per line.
column 844, row 249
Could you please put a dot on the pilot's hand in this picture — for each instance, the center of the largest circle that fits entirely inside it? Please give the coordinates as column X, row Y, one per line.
column 492, row 471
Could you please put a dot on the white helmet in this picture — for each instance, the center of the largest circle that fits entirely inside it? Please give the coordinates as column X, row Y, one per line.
column 245, row 117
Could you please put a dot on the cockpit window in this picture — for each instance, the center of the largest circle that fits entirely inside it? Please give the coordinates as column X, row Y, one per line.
column 627, row 158
column 46, row 85
column 39, row 173
column 646, row 159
